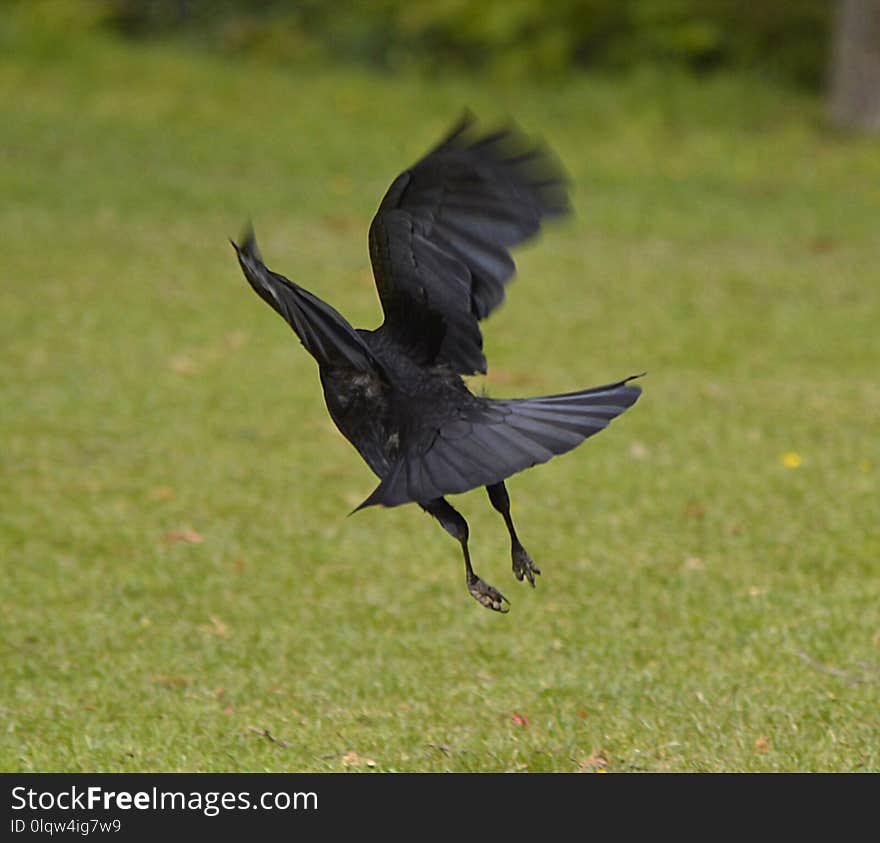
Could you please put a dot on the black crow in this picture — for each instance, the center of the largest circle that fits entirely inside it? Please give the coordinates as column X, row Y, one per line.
column 439, row 246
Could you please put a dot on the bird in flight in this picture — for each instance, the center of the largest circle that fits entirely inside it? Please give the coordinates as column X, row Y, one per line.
column 439, row 248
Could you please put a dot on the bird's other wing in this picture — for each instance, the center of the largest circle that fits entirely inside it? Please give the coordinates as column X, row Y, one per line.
column 325, row 333
column 440, row 241
column 497, row 438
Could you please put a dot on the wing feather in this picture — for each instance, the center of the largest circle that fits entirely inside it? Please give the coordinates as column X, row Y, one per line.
column 439, row 243
column 324, row 332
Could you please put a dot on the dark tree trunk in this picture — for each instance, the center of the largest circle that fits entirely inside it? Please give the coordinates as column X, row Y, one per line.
column 855, row 71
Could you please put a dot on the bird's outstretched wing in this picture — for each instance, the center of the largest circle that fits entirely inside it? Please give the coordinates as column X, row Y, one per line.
column 440, row 241
column 325, row 333
column 494, row 439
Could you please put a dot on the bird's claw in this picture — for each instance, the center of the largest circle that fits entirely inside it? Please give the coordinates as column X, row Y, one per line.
column 524, row 566
column 487, row 596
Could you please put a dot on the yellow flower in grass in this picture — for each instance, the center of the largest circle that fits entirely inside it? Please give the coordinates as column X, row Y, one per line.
column 792, row 459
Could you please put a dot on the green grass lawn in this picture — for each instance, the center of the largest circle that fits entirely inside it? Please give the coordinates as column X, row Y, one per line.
column 182, row 589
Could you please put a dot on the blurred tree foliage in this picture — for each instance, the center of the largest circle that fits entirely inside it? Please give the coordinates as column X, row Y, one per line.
column 784, row 38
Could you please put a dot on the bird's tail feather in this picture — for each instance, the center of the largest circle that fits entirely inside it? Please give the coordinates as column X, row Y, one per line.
column 561, row 422
column 498, row 439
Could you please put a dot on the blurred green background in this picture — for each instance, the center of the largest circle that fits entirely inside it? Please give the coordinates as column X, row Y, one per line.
column 181, row 587
column 527, row 38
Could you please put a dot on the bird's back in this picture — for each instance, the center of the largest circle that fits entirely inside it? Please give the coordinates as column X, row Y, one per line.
column 389, row 416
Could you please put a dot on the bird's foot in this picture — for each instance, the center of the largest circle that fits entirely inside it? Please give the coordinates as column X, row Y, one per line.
column 523, row 565
column 484, row 594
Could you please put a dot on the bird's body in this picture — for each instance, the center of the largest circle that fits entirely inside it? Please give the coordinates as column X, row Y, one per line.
column 380, row 415
column 438, row 245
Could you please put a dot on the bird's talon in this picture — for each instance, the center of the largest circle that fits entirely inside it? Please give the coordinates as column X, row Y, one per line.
column 488, row 596
column 524, row 565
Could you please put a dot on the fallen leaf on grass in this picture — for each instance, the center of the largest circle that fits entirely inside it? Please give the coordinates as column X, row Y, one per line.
column 762, row 745
column 596, row 762
column 821, row 244
column 183, row 364
column 352, row 759
column 216, row 627
column 639, row 451
column 342, row 224
column 186, row 534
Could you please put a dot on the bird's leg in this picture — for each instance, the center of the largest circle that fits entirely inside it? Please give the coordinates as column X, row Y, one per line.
column 523, row 565
column 453, row 522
